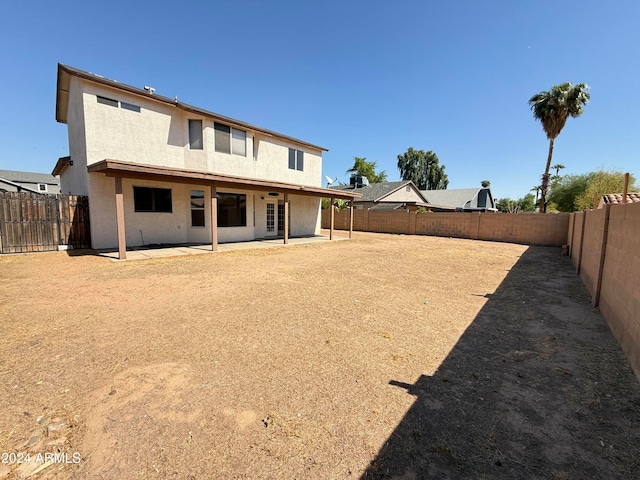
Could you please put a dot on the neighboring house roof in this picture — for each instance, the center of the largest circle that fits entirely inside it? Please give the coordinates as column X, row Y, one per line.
column 376, row 192
column 29, row 177
column 65, row 73
column 616, row 198
column 456, row 198
column 17, row 186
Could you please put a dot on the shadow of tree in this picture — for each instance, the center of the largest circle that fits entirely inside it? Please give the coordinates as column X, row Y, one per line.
column 537, row 387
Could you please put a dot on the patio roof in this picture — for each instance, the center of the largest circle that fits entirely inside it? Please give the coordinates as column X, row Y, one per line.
column 117, row 168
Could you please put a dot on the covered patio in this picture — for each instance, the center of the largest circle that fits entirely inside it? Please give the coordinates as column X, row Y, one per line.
column 120, row 170
column 164, row 251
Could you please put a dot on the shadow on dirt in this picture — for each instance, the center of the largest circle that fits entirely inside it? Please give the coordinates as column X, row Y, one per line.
column 537, row 387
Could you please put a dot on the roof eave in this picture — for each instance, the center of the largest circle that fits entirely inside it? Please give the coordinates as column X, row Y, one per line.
column 65, row 72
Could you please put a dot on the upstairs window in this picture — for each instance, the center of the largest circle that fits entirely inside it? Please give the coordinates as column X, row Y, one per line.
column 130, row 106
column 296, row 159
column 42, row 187
column 195, row 134
column 117, row 104
column 230, row 140
column 147, row 199
column 108, row 101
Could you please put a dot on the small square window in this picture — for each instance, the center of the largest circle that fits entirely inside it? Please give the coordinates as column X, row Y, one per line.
column 42, row 187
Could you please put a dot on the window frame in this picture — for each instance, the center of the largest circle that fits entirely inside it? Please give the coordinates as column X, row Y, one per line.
column 227, row 134
column 197, row 208
column 155, row 199
column 240, row 204
column 193, row 142
column 296, row 159
column 112, row 102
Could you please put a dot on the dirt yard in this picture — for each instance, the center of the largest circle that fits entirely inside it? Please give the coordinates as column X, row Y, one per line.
column 383, row 357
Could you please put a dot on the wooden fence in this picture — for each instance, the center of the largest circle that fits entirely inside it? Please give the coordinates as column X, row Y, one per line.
column 32, row 222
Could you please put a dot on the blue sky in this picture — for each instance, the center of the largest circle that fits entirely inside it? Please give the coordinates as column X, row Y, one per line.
column 361, row 78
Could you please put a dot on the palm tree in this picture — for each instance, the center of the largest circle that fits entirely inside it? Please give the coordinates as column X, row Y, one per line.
column 537, row 190
column 552, row 108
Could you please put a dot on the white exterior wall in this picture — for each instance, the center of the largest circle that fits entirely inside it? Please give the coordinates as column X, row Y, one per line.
column 159, row 135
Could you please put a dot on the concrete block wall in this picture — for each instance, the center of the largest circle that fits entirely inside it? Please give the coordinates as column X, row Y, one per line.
column 609, row 264
column 528, row 229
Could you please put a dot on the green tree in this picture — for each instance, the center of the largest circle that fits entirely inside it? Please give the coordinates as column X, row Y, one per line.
column 553, row 108
column 423, row 168
column 566, row 190
column 524, row 204
column 581, row 192
column 557, row 167
column 527, row 203
column 362, row 168
column 600, row 184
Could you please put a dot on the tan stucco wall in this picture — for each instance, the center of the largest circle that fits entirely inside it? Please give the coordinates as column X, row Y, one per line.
column 74, row 178
column 159, row 134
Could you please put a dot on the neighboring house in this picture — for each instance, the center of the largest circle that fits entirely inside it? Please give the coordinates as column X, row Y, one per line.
column 14, row 181
column 616, row 199
column 403, row 195
column 460, row 200
column 159, row 171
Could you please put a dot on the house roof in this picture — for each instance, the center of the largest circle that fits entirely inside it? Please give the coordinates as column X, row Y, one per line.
column 453, row 198
column 374, row 192
column 65, row 73
column 616, row 198
column 117, row 168
column 457, row 198
column 29, row 177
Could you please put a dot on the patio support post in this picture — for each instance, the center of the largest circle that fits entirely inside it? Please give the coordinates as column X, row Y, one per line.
column 122, row 242
column 332, row 208
column 350, row 218
column 214, row 218
column 286, row 218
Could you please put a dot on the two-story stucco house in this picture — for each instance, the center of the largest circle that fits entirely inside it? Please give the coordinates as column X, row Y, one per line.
column 158, row 171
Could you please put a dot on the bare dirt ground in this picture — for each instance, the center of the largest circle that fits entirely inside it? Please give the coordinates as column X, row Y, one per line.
column 383, row 357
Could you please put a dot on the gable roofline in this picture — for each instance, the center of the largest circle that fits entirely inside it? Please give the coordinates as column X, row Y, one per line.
column 65, row 72
column 29, row 177
column 18, row 186
column 402, row 185
column 376, row 192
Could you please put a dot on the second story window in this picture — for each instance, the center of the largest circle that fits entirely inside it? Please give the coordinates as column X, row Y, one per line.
column 115, row 103
column 230, row 140
column 296, row 159
column 195, row 134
